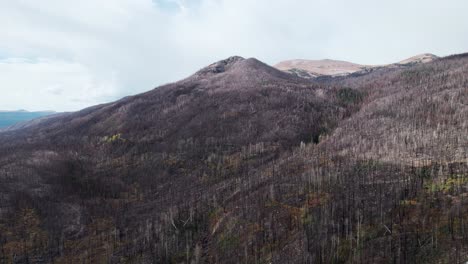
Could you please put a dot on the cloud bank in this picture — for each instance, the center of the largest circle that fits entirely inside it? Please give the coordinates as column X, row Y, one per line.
column 67, row 55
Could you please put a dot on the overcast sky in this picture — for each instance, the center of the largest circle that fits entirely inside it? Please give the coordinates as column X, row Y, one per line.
column 66, row 55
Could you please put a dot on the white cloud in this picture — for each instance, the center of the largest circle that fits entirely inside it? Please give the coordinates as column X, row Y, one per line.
column 112, row 48
column 50, row 84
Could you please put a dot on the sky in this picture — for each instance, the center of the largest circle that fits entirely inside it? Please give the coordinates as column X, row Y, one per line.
column 67, row 55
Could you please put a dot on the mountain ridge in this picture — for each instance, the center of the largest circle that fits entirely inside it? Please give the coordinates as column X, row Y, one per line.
column 327, row 67
column 241, row 161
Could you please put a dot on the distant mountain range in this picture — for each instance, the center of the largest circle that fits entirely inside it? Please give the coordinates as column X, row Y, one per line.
column 316, row 68
column 9, row 118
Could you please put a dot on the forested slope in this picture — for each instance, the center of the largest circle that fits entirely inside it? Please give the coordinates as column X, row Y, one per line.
column 242, row 163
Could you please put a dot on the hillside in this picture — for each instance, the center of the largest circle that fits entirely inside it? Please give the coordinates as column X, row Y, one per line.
column 422, row 58
column 320, row 67
column 310, row 69
column 242, row 162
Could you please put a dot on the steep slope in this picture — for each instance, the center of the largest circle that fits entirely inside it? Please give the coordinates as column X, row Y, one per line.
column 152, row 158
column 424, row 105
column 242, row 162
column 398, row 168
column 216, row 101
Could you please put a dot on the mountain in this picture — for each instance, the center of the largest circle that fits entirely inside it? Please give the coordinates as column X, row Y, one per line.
column 422, row 58
column 8, row 118
column 316, row 68
column 242, row 162
column 320, row 67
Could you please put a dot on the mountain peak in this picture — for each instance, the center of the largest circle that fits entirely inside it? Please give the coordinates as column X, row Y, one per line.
column 220, row 66
column 421, row 58
column 239, row 69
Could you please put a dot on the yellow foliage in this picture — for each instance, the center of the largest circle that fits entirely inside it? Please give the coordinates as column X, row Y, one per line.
column 113, row 138
column 448, row 184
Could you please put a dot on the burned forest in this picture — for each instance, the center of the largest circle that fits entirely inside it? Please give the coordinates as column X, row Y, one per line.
column 244, row 163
